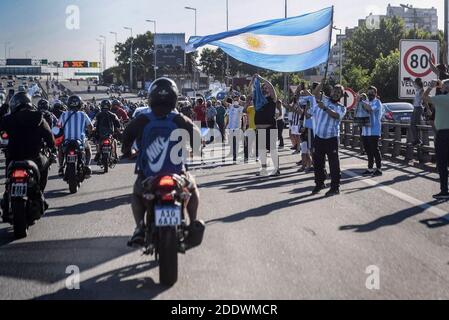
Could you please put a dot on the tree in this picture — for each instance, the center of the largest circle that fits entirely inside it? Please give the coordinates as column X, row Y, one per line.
column 213, row 63
column 366, row 45
column 385, row 76
column 356, row 78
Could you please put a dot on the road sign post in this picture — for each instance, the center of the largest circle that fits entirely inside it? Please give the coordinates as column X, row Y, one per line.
column 416, row 56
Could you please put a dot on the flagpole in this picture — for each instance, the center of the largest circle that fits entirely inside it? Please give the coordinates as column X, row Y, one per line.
column 330, row 48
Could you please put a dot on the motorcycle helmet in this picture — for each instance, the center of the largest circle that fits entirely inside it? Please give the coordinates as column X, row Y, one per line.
column 75, row 103
column 163, row 95
column 19, row 101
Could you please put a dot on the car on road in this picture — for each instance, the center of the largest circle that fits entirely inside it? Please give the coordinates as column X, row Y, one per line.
column 400, row 112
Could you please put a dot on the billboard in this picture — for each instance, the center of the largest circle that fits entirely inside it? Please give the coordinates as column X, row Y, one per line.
column 170, row 49
column 18, row 62
column 75, row 64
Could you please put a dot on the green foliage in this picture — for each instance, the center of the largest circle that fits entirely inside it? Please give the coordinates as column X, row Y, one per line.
column 356, row 77
column 385, row 76
column 372, row 56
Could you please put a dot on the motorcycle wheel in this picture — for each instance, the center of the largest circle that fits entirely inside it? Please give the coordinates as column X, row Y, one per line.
column 168, row 256
column 71, row 178
column 106, row 164
column 19, row 210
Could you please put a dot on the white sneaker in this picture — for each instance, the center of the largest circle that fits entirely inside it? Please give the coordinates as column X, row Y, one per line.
column 263, row 172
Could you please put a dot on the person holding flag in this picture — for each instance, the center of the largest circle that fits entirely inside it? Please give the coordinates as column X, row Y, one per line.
column 327, row 116
column 265, row 103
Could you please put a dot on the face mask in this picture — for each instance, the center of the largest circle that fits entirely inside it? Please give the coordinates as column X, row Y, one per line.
column 371, row 97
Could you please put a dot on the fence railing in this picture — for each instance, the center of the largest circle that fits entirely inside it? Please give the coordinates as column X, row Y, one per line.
column 396, row 141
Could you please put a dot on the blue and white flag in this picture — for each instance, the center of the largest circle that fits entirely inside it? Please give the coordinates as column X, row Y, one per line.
column 282, row 45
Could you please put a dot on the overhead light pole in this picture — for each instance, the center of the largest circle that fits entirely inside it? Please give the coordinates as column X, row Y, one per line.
column 104, row 51
column 286, row 74
column 155, row 49
column 341, row 52
column 415, row 16
column 100, row 43
column 131, row 59
column 193, row 9
column 7, row 43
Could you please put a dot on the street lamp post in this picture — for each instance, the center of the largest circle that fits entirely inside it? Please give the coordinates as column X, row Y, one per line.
column 341, row 52
column 131, row 59
column 104, row 51
column 100, row 43
column 7, row 43
column 116, row 40
column 415, row 16
column 194, row 9
column 286, row 74
column 227, row 29
column 155, row 49
column 446, row 30
column 9, row 51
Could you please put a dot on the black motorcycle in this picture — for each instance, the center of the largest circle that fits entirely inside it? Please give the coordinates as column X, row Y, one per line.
column 166, row 227
column 75, row 159
column 23, row 200
column 106, row 157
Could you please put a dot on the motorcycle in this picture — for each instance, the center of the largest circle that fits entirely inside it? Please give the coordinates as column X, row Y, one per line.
column 23, row 196
column 165, row 225
column 75, row 159
column 106, row 159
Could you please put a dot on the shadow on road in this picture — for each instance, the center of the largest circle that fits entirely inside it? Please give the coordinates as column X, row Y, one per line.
column 390, row 220
column 92, row 206
column 6, row 234
column 47, row 261
column 114, row 285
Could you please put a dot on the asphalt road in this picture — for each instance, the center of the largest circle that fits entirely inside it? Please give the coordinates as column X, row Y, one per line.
column 266, row 238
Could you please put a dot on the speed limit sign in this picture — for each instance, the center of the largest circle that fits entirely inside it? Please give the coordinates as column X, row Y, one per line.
column 416, row 59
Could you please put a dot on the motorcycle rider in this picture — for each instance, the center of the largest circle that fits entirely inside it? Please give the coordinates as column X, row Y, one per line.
column 58, row 109
column 43, row 106
column 75, row 123
column 106, row 124
column 163, row 98
column 27, row 130
column 119, row 111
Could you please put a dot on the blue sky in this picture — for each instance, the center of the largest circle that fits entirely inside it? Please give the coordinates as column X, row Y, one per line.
column 39, row 25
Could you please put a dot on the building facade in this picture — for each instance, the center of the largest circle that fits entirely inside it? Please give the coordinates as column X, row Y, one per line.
column 419, row 18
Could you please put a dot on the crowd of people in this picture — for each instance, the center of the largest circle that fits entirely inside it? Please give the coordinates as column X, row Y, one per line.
column 255, row 121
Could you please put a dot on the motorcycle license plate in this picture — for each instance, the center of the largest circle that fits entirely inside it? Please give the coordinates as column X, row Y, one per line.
column 168, row 216
column 19, row 190
column 71, row 159
column 107, row 149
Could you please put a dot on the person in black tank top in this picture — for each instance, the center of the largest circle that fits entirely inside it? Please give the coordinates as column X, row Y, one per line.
column 265, row 120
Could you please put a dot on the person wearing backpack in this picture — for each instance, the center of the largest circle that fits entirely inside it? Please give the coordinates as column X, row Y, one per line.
column 152, row 132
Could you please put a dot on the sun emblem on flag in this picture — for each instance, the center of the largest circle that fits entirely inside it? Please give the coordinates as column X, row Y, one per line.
column 254, row 42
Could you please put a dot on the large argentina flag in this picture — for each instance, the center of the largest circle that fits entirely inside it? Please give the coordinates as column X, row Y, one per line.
column 282, row 45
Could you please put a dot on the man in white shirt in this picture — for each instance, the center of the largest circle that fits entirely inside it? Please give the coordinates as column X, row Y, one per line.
column 234, row 116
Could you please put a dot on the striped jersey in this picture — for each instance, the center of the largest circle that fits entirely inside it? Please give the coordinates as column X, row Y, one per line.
column 325, row 126
column 235, row 115
column 75, row 125
column 375, row 128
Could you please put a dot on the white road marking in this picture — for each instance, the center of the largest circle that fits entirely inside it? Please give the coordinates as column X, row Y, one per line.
column 402, row 196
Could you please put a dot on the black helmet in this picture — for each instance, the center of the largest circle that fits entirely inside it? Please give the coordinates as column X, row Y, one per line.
column 20, row 100
column 43, row 105
column 75, row 103
column 106, row 105
column 116, row 102
column 58, row 105
column 164, row 94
